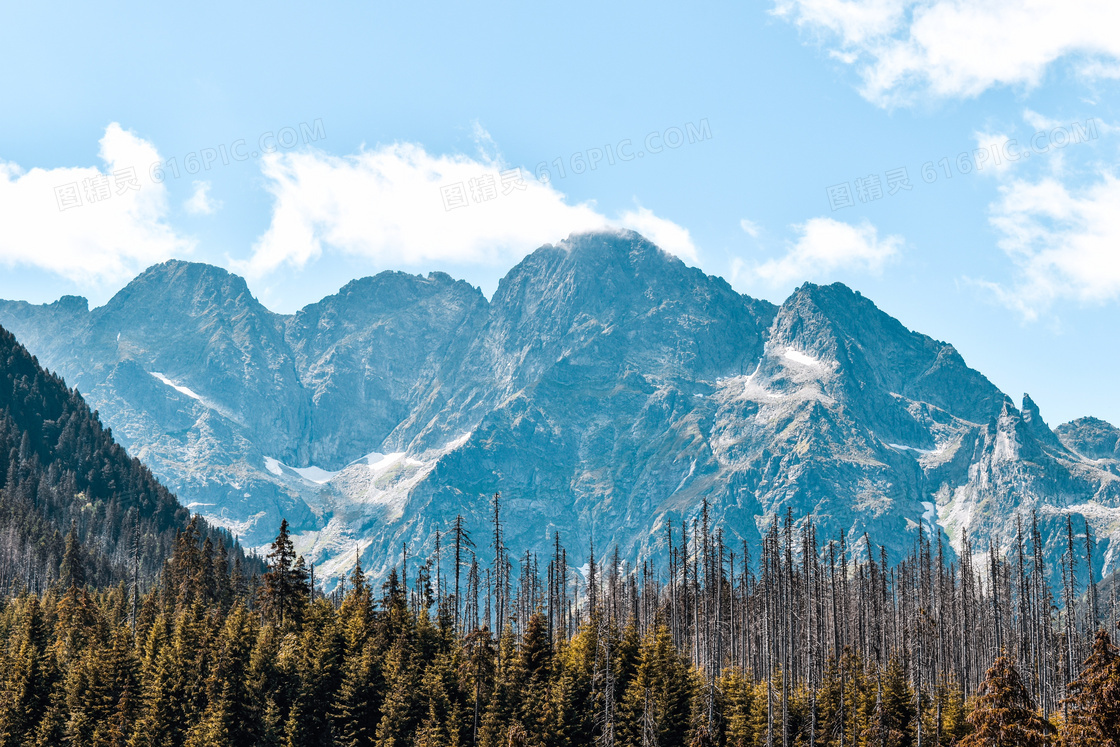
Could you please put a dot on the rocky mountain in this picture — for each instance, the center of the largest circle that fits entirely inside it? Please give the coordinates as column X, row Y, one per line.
column 607, row 390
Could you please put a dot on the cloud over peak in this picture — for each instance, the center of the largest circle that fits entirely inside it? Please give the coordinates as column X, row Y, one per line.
column 398, row 204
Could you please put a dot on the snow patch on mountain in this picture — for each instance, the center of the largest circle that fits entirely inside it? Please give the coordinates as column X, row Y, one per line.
column 314, row 474
column 792, row 354
column 238, row 528
column 177, row 387
column 903, row 447
column 930, row 517
column 373, row 490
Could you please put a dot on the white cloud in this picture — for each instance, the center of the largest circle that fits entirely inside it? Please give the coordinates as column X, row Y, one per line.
column 826, row 246
column 993, row 147
column 750, row 228
column 1064, row 244
column 391, row 205
column 200, row 203
column 671, row 237
column 960, row 48
column 1000, row 153
column 99, row 241
column 1039, row 121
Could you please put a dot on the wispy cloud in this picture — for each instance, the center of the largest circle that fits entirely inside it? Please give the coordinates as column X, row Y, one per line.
column 1062, row 241
column 200, row 202
column 905, row 49
column 824, row 247
column 751, row 228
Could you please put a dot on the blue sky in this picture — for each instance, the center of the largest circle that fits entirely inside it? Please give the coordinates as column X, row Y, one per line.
column 381, row 117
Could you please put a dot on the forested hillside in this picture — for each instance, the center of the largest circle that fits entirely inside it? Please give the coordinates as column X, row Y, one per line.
column 61, row 473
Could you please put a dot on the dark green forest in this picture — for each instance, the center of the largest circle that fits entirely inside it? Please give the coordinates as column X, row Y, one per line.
column 813, row 650
column 61, row 472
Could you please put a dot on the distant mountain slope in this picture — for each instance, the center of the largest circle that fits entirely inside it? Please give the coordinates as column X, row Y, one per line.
column 1091, row 438
column 59, row 468
column 607, row 390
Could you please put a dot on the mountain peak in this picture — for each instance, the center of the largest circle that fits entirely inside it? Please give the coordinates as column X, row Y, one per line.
column 1038, row 428
column 177, row 288
column 835, row 298
column 179, row 272
column 594, row 263
column 72, row 305
column 1091, row 437
column 879, row 353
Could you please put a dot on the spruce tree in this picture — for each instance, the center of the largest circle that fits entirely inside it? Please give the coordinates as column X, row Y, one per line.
column 72, row 571
column 1004, row 715
column 285, row 584
column 892, row 718
column 402, row 709
column 28, row 680
column 1094, row 700
column 535, row 672
column 357, row 706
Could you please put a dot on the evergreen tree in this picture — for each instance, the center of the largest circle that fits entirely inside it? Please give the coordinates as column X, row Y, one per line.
column 29, row 678
column 738, row 708
column 1094, row 700
column 72, row 572
column 1004, row 715
column 228, row 718
column 892, row 720
column 285, row 584
column 657, row 705
column 535, row 672
column 102, row 694
column 955, row 726
column 402, row 709
column 357, row 706
column 161, row 713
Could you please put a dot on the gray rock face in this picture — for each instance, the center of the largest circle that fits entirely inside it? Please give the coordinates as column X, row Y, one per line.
column 607, row 390
column 1091, row 438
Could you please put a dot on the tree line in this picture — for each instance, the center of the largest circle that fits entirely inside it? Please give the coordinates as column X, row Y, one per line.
column 815, row 642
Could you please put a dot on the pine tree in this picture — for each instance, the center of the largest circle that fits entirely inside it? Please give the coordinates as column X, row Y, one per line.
column 102, row 693
column 317, row 656
column 228, row 719
column 440, row 725
column 1004, row 715
column 738, row 708
column 357, row 706
column 402, row 710
column 892, row 720
column 955, row 726
column 535, row 673
column 1094, row 700
column 503, row 705
column 29, row 678
column 657, row 705
column 161, row 715
column 285, row 585
column 72, row 572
